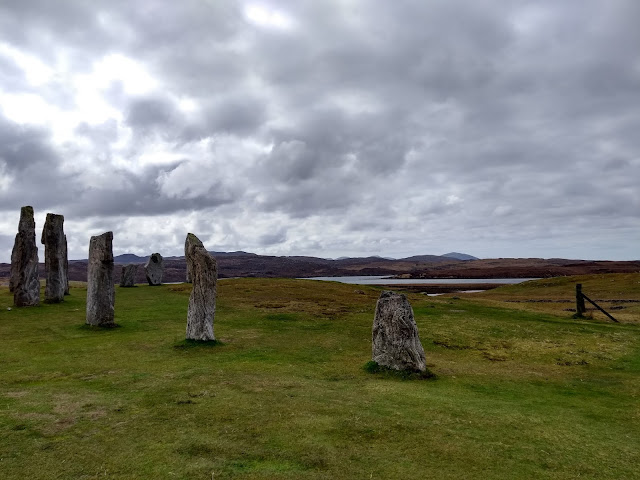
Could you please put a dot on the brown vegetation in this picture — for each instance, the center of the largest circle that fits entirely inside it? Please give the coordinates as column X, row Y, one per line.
column 250, row 265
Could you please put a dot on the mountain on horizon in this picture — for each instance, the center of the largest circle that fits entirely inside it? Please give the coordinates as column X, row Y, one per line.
column 460, row 256
column 126, row 258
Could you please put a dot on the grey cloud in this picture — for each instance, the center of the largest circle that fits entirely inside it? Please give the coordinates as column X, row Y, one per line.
column 309, row 198
column 275, row 238
column 292, row 160
column 102, row 135
column 242, row 114
column 23, row 147
column 11, row 76
column 147, row 113
column 136, row 195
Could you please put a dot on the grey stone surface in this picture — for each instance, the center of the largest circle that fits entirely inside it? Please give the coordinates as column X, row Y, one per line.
column 24, row 262
column 395, row 342
column 154, row 269
column 55, row 258
column 202, row 302
column 13, row 275
column 100, row 288
column 129, row 272
column 188, row 276
column 66, row 262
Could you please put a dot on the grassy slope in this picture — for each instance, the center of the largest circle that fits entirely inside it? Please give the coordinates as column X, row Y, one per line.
column 611, row 291
column 521, row 393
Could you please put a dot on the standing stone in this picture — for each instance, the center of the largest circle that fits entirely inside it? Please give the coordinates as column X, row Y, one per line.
column 55, row 258
column 13, row 275
column 24, row 262
column 100, row 288
column 128, row 278
column 188, row 278
column 203, row 270
column 396, row 343
column 154, row 268
column 66, row 263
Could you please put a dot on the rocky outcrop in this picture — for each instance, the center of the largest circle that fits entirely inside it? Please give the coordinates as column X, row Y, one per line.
column 100, row 288
column 128, row 278
column 24, row 262
column 203, row 270
column 396, row 344
column 154, row 268
column 55, row 258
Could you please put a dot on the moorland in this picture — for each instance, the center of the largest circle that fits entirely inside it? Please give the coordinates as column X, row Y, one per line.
column 244, row 264
column 522, row 389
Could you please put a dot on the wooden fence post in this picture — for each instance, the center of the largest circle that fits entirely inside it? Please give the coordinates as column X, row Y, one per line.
column 580, row 307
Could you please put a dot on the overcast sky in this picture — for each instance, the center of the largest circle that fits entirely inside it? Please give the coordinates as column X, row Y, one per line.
column 327, row 128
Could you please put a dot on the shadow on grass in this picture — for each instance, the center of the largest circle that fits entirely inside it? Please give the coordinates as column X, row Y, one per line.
column 185, row 344
column 99, row 328
column 386, row 372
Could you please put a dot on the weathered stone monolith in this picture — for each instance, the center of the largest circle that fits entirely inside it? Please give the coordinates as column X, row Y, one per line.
column 66, row 263
column 128, row 278
column 55, row 258
column 13, row 275
column 203, row 270
column 188, row 276
column 154, row 268
column 100, row 288
column 24, row 262
column 396, row 344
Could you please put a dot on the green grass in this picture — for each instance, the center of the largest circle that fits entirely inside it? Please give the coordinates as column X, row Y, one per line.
column 519, row 392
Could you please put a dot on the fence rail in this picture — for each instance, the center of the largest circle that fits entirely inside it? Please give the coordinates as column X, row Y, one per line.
column 580, row 306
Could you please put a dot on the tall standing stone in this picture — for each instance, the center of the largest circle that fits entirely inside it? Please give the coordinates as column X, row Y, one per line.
column 24, row 262
column 13, row 275
column 154, row 268
column 396, row 343
column 203, row 270
column 188, row 277
column 55, row 258
column 66, row 263
column 128, row 278
column 100, row 288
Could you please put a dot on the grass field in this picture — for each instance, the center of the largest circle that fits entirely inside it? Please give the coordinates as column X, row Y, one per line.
column 522, row 389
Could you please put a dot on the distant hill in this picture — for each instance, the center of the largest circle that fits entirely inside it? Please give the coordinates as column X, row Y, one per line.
column 245, row 264
column 126, row 258
column 428, row 258
column 460, row 256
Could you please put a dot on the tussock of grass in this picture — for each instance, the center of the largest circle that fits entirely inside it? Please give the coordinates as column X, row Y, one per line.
column 376, row 368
